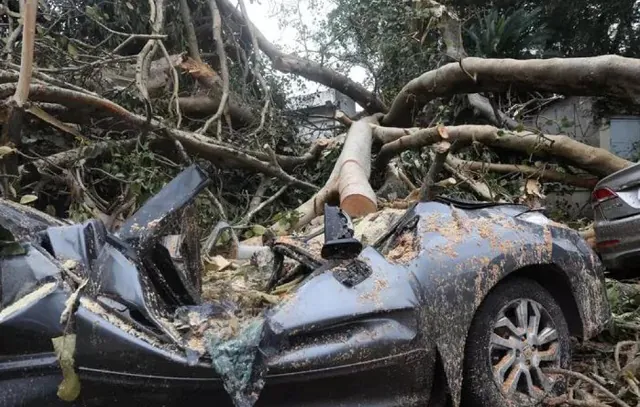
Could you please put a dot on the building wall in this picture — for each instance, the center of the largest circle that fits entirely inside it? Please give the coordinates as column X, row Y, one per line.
column 572, row 116
column 316, row 111
column 622, row 137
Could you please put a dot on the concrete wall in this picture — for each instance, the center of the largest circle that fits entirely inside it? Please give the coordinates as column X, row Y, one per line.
column 572, row 116
column 316, row 113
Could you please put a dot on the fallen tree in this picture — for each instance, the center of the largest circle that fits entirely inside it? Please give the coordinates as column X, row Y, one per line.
column 109, row 108
column 182, row 95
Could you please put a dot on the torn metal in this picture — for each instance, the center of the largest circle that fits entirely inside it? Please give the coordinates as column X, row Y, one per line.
column 288, row 327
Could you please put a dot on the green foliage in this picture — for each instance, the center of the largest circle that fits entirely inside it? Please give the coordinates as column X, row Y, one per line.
column 140, row 171
column 9, row 246
column 575, row 27
column 287, row 219
column 513, row 34
column 384, row 36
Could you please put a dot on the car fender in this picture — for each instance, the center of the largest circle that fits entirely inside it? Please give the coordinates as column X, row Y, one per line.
column 464, row 254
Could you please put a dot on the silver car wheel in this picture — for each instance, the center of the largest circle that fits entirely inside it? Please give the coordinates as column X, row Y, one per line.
column 523, row 342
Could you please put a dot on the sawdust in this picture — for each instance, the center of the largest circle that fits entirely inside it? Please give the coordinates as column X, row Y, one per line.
column 406, row 249
column 374, row 294
column 366, row 229
column 28, row 300
column 121, row 324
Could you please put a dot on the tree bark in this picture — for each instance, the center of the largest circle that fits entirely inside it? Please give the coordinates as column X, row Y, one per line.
column 480, row 188
column 592, row 159
column 196, row 143
column 529, row 172
column 65, row 158
column 206, row 105
column 190, row 31
column 349, row 180
column 608, row 75
column 12, row 128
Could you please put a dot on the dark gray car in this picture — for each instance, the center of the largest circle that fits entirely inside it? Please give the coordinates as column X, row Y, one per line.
column 458, row 301
column 616, row 205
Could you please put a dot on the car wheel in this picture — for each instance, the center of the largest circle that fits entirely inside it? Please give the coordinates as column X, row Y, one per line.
column 517, row 331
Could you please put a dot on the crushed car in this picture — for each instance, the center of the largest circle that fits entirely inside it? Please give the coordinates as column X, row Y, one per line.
column 454, row 302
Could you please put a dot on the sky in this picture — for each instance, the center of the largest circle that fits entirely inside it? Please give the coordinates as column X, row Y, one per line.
column 263, row 14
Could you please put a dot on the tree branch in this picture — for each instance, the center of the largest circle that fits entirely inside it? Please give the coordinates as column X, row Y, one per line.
column 222, row 56
column 607, row 75
column 143, row 63
column 441, row 153
column 592, row 159
column 30, row 9
column 12, row 128
column 190, row 31
column 288, row 63
column 199, row 144
column 529, row 172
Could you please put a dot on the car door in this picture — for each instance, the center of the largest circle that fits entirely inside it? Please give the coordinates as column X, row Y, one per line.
column 31, row 300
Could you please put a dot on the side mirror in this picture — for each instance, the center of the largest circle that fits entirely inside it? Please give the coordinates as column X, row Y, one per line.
column 339, row 243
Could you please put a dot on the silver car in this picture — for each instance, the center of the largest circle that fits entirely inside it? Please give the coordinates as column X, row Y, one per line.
column 616, row 206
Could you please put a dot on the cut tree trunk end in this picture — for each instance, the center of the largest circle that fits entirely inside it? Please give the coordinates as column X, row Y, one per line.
column 349, row 180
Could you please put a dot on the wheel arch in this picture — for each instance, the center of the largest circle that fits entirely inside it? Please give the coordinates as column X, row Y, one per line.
column 556, row 281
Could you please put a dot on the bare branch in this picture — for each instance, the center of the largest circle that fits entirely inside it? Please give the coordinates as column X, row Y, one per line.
column 66, row 158
column 247, row 218
column 530, row 172
column 441, row 152
column 592, row 159
column 176, row 85
column 222, row 56
column 29, row 11
column 8, row 46
column 196, row 142
column 592, row 382
column 190, row 31
column 480, row 188
column 607, row 75
column 308, row 69
column 143, row 63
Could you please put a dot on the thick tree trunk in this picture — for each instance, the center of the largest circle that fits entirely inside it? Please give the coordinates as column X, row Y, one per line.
column 592, row 159
column 348, row 183
column 608, row 75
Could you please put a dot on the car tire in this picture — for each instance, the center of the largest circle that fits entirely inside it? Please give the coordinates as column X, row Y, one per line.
column 495, row 345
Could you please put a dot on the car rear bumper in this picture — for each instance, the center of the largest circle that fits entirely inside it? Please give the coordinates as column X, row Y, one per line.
column 626, row 252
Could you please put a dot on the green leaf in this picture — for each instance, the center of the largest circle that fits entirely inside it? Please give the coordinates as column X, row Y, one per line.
column 65, row 348
column 4, row 150
column 130, row 6
column 51, row 210
column 72, row 50
column 92, row 12
column 248, row 234
column 258, row 230
column 11, row 249
column 500, row 133
column 27, row 199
